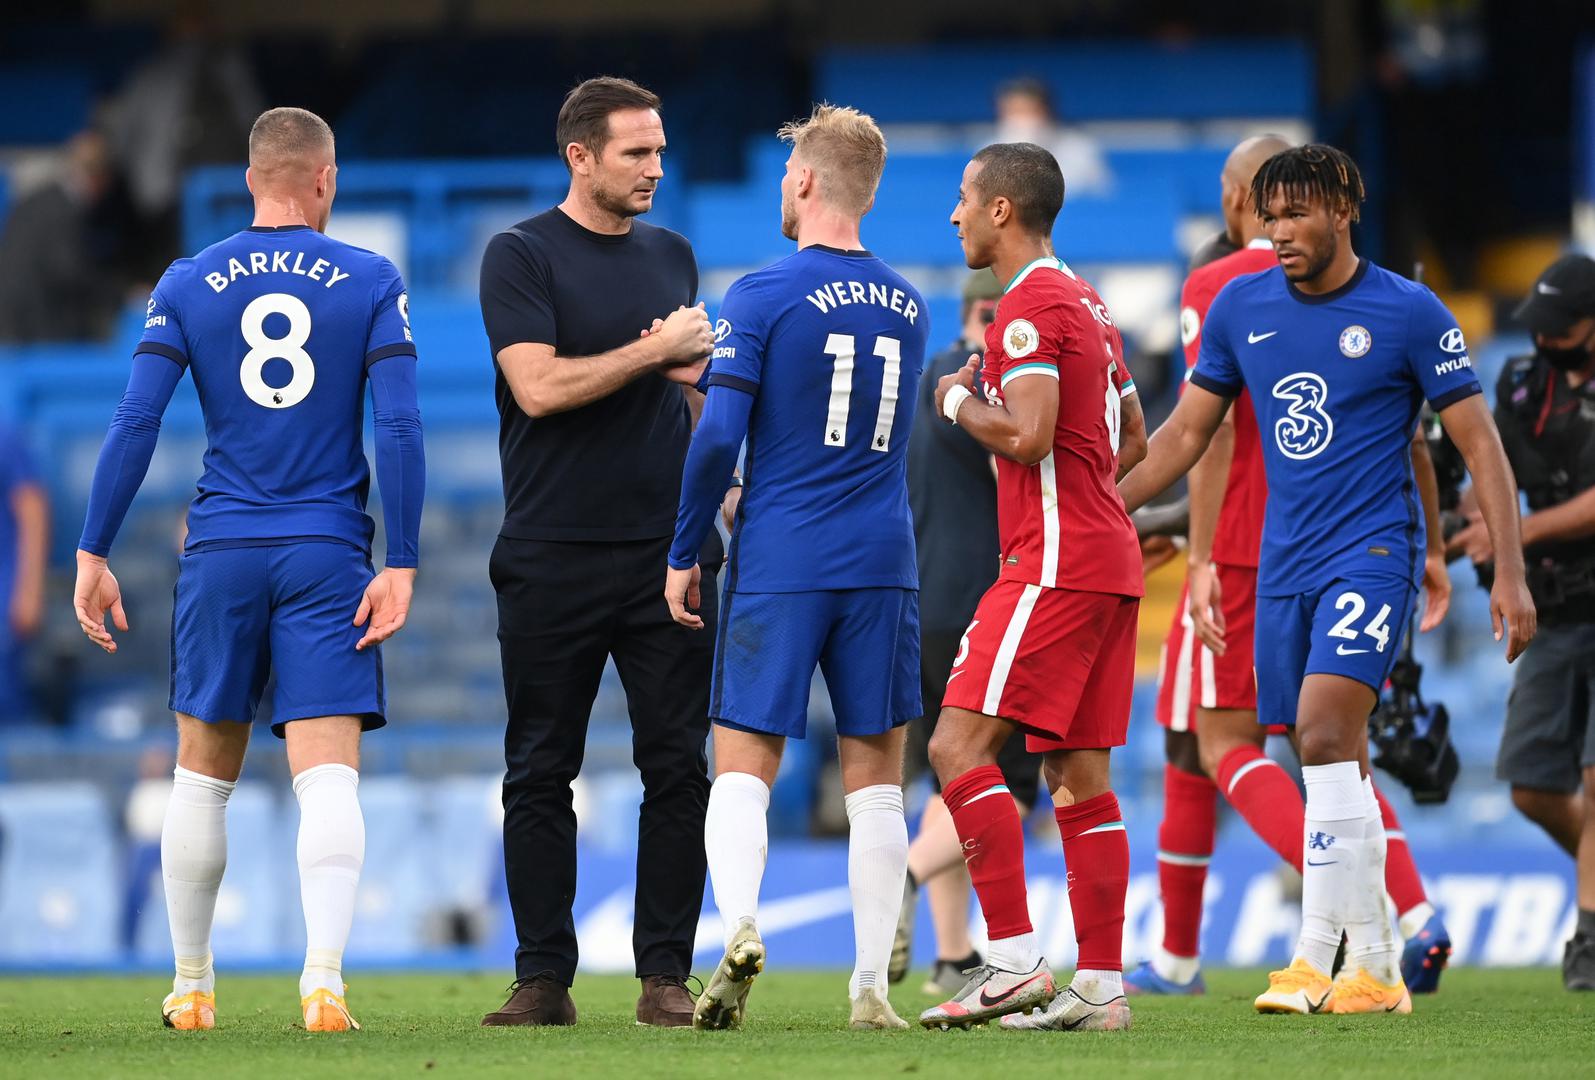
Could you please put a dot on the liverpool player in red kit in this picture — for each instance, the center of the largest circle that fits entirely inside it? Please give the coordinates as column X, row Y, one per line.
column 1207, row 692
column 1051, row 649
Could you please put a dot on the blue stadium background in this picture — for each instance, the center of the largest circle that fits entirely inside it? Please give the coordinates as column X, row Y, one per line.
column 449, row 139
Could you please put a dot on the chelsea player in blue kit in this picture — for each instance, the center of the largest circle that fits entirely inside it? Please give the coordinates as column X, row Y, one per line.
column 815, row 363
column 1338, row 355
column 282, row 328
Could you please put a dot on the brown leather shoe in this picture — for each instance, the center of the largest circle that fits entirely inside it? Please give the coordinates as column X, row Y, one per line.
column 665, row 1001
column 539, row 1001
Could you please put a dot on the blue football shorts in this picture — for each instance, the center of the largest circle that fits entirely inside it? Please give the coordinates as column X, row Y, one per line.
column 245, row 612
column 864, row 641
column 1351, row 627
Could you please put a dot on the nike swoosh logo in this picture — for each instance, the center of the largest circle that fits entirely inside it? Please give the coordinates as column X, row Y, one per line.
column 1318, row 1007
column 1549, row 290
column 953, row 676
column 989, row 1002
column 1326, row 862
column 1253, row 339
column 1341, row 650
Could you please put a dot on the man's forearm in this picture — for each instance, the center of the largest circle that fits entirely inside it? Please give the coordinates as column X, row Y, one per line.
column 547, row 384
column 1497, row 495
column 1208, row 480
column 994, row 428
column 1572, row 520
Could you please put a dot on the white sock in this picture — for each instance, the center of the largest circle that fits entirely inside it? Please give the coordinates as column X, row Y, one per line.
column 1097, row 987
column 193, row 858
column 1370, row 938
column 1332, row 858
column 1415, row 919
column 877, row 865
column 1180, row 969
column 736, row 839
column 1019, row 953
column 332, row 847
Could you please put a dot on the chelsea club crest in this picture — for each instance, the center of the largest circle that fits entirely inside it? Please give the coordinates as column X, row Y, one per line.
column 1355, row 341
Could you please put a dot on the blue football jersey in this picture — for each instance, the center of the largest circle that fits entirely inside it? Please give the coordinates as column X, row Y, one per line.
column 831, row 344
column 1337, row 381
column 278, row 327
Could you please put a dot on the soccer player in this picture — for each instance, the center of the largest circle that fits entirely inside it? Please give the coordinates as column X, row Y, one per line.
column 1051, row 649
column 282, row 328
column 1207, row 696
column 815, row 366
column 1337, row 355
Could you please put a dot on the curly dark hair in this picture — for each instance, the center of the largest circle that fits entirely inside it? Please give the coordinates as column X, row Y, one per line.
column 1312, row 173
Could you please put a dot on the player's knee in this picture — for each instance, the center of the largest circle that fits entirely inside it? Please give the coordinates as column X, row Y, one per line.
column 950, row 755
column 1180, row 749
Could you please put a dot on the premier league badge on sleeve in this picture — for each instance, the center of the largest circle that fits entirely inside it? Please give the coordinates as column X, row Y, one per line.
column 1355, row 341
column 1020, row 339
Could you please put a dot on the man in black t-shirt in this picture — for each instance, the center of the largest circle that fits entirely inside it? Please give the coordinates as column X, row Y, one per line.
column 594, row 421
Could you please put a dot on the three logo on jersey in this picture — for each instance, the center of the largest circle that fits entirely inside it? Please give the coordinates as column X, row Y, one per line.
column 1306, row 428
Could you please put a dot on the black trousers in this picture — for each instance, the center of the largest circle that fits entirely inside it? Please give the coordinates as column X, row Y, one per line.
column 563, row 608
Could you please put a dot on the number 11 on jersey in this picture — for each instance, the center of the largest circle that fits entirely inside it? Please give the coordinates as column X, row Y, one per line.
column 840, row 348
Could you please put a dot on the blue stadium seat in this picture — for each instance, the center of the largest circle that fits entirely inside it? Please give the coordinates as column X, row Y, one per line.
column 57, row 854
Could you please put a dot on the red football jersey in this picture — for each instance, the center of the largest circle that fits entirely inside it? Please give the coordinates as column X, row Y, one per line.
column 1240, row 523
column 1061, row 522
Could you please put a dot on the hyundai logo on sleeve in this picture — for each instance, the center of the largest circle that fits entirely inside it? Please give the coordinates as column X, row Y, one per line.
column 1452, row 341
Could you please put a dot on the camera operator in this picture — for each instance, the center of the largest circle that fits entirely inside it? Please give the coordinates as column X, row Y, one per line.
column 1545, row 409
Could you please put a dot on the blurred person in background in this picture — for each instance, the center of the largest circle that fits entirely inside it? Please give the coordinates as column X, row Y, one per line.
column 24, row 542
column 952, row 488
column 54, row 284
column 191, row 103
column 1545, row 408
column 1025, row 113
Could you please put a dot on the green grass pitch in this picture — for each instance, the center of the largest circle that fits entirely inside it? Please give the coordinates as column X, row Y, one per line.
column 1482, row 1023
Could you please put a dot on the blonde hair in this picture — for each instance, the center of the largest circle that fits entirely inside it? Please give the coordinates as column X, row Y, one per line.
column 846, row 150
column 286, row 141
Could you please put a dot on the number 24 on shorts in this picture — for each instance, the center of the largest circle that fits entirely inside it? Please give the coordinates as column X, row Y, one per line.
column 1355, row 607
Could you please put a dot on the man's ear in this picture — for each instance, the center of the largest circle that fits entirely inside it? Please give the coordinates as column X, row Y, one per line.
column 1001, row 210
column 323, row 180
column 249, row 179
column 578, row 158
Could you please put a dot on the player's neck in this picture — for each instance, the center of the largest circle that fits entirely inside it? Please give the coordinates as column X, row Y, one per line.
column 273, row 213
column 1336, row 274
column 829, row 230
column 1014, row 257
column 592, row 217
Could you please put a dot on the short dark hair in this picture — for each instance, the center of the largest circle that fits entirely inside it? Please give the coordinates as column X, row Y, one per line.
column 1026, row 175
column 1312, row 173
column 584, row 117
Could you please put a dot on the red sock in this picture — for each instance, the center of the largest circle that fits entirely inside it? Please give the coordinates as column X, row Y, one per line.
column 1402, row 880
column 1184, row 848
column 1098, row 856
column 987, row 820
column 1259, row 789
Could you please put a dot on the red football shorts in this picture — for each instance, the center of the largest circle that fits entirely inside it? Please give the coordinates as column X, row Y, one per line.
column 1191, row 675
column 1057, row 662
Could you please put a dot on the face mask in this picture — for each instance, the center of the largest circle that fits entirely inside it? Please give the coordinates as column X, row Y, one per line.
column 1571, row 359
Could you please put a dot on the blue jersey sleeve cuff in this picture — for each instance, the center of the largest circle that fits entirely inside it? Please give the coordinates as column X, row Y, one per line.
column 1451, row 397
column 681, row 564
column 735, row 382
column 1216, row 386
column 157, row 348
